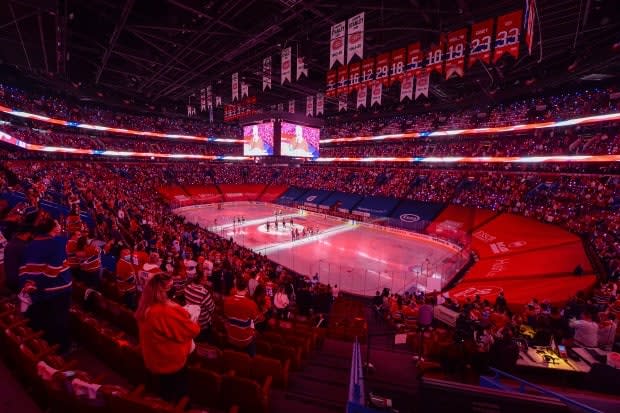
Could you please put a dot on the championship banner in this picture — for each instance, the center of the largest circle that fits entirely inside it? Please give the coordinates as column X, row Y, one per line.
column 286, row 66
column 267, row 73
column 320, row 104
column 210, row 97
column 362, row 96
column 455, row 53
column 244, row 89
column 480, row 44
column 332, row 79
column 355, row 70
column 355, row 45
column 368, row 70
column 342, row 103
column 507, row 35
column 434, row 58
column 383, row 68
column 406, row 87
column 310, row 106
column 291, row 106
column 343, row 79
column 415, row 58
column 377, row 91
column 218, row 101
column 301, row 67
column 336, row 44
column 203, row 100
column 422, row 80
column 235, row 86
column 398, row 65
column 528, row 20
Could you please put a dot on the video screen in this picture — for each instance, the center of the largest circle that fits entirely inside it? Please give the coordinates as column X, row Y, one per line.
column 258, row 139
column 299, row 141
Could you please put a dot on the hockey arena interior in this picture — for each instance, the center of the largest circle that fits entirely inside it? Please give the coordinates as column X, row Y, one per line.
column 270, row 206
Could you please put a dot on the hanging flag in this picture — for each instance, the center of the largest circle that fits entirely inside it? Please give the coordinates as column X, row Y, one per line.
column 377, row 91
column 406, row 87
column 368, row 70
column 421, row 84
column 203, row 100
column 507, row 35
column 280, row 107
column 244, row 89
column 211, row 114
column 336, row 45
column 218, row 101
column 235, row 86
column 362, row 96
column 415, row 58
column 291, row 106
column 355, row 30
column 267, row 73
column 434, row 57
column 355, row 70
column 286, row 66
column 383, row 68
column 310, row 106
column 209, row 96
column 320, row 104
column 455, row 53
column 398, row 65
column 480, row 44
column 343, row 79
column 302, row 69
column 332, row 80
column 342, row 103
column 528, row 20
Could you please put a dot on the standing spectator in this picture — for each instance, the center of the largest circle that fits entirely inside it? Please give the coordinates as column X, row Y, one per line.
column 241, row 314
column 148, row 270
column 126, row 278
column 166, row 337
column 14, row 255
column 281, row 302
column 46, row 277
column 198, row 294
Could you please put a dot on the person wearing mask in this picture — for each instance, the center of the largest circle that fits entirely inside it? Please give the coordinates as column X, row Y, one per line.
column 126, row 278
column 586, row 330
column 241, row 313
column 197, row 293
column 166, row 333
column 45, row 277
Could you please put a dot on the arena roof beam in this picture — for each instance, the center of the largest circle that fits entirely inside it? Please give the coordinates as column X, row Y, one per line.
column 142, row 36
column 42, row 38
column 206, row 16
column 19, row 33
column 115, row 35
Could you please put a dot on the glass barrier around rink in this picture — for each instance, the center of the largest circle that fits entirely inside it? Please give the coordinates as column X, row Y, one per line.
column 426, row 276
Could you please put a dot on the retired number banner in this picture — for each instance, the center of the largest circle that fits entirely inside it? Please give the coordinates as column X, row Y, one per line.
column 383, row 68
column 434, row 57
column 336, row 45
column 343, row 79
column 507, row 35
column 355, row 70
column 415, row 58
column 368, row 70
column 332, row 79
column 399, row 56
column 480, row 44
column 455, row 53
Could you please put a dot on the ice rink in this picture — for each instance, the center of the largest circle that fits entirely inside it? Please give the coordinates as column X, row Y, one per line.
column 359, row 258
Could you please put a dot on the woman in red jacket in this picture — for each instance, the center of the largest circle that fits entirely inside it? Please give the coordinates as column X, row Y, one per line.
column 166, row 337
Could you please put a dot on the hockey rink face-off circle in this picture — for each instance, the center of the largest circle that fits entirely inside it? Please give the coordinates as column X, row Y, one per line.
column 360, row 258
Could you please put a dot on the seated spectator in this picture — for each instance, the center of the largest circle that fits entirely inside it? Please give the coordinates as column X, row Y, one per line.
column 149, row 269
column 607, row 328
column 586, row 330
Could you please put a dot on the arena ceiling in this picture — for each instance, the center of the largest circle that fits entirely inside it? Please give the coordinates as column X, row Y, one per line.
column 162, row 51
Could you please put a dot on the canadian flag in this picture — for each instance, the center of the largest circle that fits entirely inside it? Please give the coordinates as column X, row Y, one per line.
column 362, row 97
column 377, row 91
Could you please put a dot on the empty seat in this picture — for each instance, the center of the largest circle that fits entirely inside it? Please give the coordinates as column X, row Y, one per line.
column 246, row 393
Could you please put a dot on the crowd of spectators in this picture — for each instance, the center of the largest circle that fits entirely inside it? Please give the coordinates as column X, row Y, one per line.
column 88, row 112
